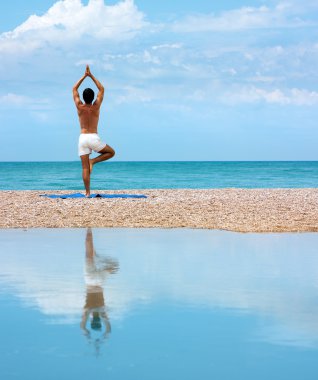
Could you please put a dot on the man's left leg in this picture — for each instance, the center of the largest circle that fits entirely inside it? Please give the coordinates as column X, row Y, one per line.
column 86, row 173
column 105, row 154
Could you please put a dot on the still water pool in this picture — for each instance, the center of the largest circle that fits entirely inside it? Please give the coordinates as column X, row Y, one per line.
column 158, row 304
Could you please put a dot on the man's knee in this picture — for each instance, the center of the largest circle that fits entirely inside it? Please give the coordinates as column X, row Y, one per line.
column 109, row 150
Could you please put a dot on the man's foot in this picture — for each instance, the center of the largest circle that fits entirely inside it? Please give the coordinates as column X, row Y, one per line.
column 87, row 195
column 91, row 164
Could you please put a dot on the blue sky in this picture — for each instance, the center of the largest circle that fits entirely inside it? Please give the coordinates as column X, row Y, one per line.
column 194, row 80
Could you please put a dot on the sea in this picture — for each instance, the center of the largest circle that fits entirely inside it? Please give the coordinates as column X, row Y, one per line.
column 160, row 175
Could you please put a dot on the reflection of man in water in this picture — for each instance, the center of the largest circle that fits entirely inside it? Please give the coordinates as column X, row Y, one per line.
column 96, row 270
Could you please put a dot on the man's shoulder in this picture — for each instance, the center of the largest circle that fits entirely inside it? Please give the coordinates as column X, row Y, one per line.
column 88, row 106
column 79, row 105
column 96, row 106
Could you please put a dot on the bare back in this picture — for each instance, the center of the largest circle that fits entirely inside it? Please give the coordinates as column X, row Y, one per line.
column 88, row 115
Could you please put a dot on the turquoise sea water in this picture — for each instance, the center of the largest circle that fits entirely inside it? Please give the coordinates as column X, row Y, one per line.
column 168, row 304
column 141, row 175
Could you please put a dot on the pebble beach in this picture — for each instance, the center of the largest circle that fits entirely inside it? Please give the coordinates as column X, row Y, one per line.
column 240, row 210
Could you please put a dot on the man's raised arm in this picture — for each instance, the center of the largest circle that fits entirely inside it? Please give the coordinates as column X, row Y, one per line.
column 100, row 95
column 76, row 96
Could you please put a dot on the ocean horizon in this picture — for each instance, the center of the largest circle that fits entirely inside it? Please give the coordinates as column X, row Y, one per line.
column 113, row 175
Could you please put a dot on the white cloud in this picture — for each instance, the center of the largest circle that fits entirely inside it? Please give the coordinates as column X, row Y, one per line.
column 150, row 58
column 69, row 21
column 14, row 99
column 131, row 94
column 82, row 62
column 40, row 116
column 167, row 46
column 294, row 96
column 34, row 106
column 241, row 19
column 264, row 78
column 160, row 67
column 230, row 71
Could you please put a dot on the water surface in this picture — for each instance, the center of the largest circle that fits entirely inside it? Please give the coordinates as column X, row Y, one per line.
column 153, row 175
column 158, row 304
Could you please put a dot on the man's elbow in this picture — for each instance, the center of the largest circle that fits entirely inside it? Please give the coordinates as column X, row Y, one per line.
column 75, row 93
column 101, row 93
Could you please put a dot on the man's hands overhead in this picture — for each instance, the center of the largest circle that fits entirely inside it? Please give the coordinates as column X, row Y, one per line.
column 88, row 72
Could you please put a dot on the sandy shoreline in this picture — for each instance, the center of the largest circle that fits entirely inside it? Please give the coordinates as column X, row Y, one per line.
column 242, row 210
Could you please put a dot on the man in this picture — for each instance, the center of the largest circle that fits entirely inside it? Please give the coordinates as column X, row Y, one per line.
column 88, row 114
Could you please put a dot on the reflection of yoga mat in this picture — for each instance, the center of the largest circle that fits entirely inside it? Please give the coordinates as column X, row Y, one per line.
column 79, row 195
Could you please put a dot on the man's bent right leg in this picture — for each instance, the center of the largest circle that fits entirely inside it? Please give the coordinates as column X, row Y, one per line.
column 86, row 173
column 105, row 154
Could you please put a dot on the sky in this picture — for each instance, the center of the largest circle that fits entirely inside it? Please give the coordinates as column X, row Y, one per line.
column 184, row 80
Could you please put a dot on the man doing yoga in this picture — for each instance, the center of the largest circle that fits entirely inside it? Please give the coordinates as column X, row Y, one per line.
column 88, row 114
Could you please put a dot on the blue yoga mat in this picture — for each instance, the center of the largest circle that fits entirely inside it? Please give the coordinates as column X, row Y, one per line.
column 79, row 195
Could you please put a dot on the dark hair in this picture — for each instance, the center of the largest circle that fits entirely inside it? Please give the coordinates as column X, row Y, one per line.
column 88, row 95
column 96, row 322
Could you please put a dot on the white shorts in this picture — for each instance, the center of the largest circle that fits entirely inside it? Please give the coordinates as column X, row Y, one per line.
column 88, row 142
